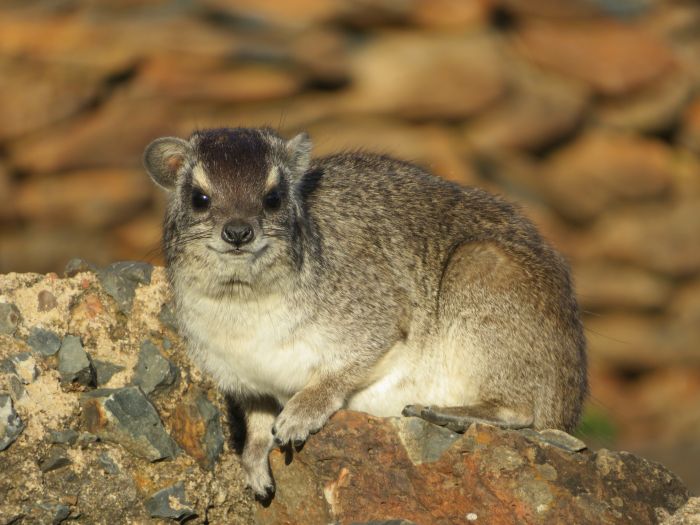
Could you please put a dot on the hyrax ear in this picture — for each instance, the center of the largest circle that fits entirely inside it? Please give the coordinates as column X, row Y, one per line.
column 299, row 150
column 163, row 158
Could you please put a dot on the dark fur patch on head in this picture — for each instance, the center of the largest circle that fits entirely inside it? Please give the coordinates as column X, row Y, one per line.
column 234, row 157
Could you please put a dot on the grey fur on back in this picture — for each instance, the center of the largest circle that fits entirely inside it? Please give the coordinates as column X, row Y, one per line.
column 373, row 285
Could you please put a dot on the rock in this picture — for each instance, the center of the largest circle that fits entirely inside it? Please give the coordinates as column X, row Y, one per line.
column 63, row 437
column 125, row 416
column 449, row 14
column 11, row 426
column 87, row 142
column 47, row 249
column 55, row 460
column 74, row 364
column 602, row 169
column 612, row 58
column 609, row 286
column 10, row 318
column 207, row 80
column 662, row 238
column 120, row 280
column 428, row 145
column 170, row 503
column 653, row 108
column 56, row 512
column 196, row 426
column 97, row 198
column 46, row 301
column 104, row 370
column 690, row 129
column 688, row 514
column 78, row 265
column 167, row 316
column 634, row 341
column 35, row 94
column 22, row 365
column 576, row 8
column 45, row 342
column 358, row 469
column 153, row 372
column 392, row 74
column 108, row 464
column 539, row 109
column 557, row 438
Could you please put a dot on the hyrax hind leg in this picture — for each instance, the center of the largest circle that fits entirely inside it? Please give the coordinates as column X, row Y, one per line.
column 495, row 326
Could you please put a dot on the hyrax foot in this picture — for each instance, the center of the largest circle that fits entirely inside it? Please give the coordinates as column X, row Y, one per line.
column 260, row 482
column 459, row 419
column 301, row 416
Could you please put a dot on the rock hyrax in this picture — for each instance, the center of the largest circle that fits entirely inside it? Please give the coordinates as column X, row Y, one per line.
column 360, row 281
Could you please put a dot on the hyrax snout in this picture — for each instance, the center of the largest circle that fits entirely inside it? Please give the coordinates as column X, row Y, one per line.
column 360, row 281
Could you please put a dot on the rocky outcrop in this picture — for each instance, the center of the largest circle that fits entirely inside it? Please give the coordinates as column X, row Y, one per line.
column 361, row 467
column 104, row 420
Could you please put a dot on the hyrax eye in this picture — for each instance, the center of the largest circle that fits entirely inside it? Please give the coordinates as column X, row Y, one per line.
column 200, row 201
column 272, row 200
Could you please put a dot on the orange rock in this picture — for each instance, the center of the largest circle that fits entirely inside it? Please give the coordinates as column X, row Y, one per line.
column 428, row 145
column 539, row 109
column 612, row 58
column 34, row 94
column 91, row 199
column 690, row 132
column 601, row 169
column 426, row 75
column 214, row 81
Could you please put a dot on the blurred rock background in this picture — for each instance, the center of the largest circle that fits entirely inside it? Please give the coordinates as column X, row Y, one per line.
column 586, row 112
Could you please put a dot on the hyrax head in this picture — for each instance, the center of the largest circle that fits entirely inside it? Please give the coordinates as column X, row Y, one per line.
column 231, row 203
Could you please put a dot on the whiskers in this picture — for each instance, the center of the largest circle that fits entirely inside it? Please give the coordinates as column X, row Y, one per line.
column 183, row 240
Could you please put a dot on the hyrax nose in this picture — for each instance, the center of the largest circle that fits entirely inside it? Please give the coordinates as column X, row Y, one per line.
column 237, row 232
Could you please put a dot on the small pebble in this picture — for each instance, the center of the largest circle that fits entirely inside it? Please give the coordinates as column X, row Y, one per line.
column 44, row 341
column 170, row 503
column 11, row 425
column 9, row 318
column 68, row 436
column 47, row 301
column 74, row 364
column 76, row 266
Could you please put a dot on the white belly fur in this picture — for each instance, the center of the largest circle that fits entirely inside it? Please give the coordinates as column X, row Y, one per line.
column 257, row 347
column 263, row 347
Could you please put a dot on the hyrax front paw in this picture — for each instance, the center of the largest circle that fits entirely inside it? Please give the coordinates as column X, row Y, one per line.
column 300, row 417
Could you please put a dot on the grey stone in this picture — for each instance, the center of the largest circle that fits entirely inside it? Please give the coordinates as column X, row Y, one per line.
column 10, row 318
column 44, row 341
column 68, row 436
column 153, row 371
column 120, row 280
column 107, row 463
column 213, row 436
column 104, row 370
column 11, row 425
column 126, row 416
column 58, row 512
column 74, row 364
column 86, row 438
column 22, row 365
column 556, row 438
column 78, row 265
column 424, row 442
column 16, row 388
column 170, row 503
column 167, row 316
column 55, row 460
